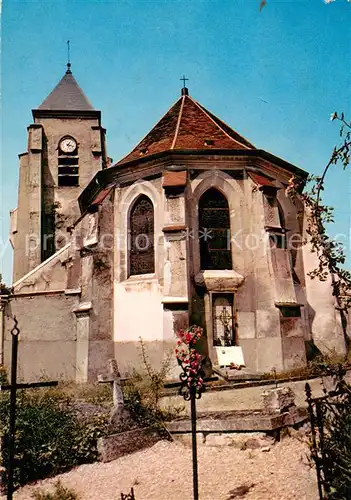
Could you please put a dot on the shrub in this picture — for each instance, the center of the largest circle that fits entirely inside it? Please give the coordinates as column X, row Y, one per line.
column 50, row 436
column 3, row 375
column 337, row 446
column 60, row 493
column 334, row 446
column 143, row 392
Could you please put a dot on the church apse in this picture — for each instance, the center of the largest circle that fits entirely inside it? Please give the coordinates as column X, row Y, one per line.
column 198, row 226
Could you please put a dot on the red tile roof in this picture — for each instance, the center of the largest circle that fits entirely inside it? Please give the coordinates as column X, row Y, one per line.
column 261, row 180
column 188, row 126
column 174, row 179
column 99, row 198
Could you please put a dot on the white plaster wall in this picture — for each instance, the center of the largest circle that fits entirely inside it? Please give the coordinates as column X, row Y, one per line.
column 324, row 319
column 138, row 310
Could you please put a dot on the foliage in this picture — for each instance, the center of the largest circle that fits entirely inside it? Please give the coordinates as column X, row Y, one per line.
column 50, row 436
column 322, row 365
column 143, row 391
column 93, row 393
column 337, row 445
column 332, row 424
column 60, row 493
column 153, row 380
column 4, row 289
column 335, row 448
column 331, row 255
column 3, row 375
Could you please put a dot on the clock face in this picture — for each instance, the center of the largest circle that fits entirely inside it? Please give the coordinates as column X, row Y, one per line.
column 68, row 145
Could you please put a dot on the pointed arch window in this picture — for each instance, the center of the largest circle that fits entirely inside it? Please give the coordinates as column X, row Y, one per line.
column 214, row 231
column 141, row 243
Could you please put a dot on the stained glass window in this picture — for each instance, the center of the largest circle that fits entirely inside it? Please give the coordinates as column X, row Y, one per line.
column 141, row 244
column 214, row 231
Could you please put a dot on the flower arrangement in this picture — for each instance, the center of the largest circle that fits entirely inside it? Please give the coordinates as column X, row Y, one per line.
column 190, row 360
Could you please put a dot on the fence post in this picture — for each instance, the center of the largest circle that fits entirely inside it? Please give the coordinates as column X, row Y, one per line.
column 193, row 441
column 314, row 438
column 12, row 424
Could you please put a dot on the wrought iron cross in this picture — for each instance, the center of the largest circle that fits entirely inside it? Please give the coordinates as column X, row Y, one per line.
column 184, row 80
column 13, row 394
column 68, row 58
column 225, row 318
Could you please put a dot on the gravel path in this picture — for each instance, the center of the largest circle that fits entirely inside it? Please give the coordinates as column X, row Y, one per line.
column 164, row 472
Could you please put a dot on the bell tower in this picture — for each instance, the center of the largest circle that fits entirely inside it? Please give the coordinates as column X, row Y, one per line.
column 66, row 147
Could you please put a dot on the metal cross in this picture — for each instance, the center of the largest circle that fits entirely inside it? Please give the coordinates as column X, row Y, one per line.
column 184, row 80
column 13, row 395
column 68, row 58
column 225, row 318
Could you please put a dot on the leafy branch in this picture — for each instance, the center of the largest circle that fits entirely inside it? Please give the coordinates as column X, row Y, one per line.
column 331, row 254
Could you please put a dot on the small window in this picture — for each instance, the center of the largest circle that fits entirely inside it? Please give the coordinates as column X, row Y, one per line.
column 290, row 311
column 67, row 176
column 277, row 240
column 224, row 324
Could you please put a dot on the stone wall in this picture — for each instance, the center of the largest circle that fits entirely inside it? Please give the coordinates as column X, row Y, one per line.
column 47, row 342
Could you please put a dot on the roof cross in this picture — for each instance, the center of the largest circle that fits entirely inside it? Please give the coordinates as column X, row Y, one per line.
column 68, row 58
column 184, row 80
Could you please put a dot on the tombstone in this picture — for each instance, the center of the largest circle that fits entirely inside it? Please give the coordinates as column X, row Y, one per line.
column 228, row 356
column 120, row 417
column 278, row 400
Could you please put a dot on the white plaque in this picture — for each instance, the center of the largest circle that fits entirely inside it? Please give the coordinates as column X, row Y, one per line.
column 228, row 355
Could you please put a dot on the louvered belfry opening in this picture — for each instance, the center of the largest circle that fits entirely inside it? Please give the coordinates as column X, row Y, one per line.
column 214, row 231
column 141, row 244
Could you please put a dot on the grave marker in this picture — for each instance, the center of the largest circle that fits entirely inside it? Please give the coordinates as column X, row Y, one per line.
column 13, row 395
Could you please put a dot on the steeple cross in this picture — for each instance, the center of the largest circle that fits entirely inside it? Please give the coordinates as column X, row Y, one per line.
column 184, row 80
column 68, row 58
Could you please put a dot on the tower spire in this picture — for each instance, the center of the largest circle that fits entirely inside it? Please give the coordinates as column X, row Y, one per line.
column 68, row 72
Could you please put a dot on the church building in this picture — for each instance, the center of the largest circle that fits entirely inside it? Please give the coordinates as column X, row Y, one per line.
column 193, row 226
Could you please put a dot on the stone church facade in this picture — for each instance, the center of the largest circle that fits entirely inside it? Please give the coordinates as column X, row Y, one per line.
column 192, row 226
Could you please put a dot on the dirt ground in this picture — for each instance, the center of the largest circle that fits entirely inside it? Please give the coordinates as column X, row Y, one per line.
column 164, row 472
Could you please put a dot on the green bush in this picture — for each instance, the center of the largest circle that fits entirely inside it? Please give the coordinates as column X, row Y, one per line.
column 50, row 436
column 3, row 375
column 333, row 446
column 60, row 493
column 143, row 392
column 337, row 445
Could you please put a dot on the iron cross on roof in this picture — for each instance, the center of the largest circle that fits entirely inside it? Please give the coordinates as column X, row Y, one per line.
column 184, row 80
column 68, row 58
column 184, row 89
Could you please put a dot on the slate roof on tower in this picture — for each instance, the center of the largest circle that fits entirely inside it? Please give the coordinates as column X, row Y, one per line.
column 67, row 96
column 188, row 126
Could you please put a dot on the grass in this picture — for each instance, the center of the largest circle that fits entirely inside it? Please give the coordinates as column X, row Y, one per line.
column 94, row 393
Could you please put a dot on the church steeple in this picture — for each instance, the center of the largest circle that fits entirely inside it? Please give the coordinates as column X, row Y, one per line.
column 66, row 148
column 66, row 96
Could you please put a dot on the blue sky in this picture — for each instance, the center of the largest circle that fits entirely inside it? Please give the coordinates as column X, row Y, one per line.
column 275, row 76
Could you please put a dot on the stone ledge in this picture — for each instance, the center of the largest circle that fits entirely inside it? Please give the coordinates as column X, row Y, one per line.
column 254, row 421
column 219, row 280
column 117, row 445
